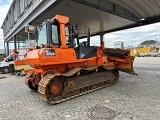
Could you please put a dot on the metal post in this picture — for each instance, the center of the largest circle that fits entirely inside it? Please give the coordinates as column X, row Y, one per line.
column 7, row 48
column 88, row 36
column 15, row 44
column 18, row 44
column 101, row 40
column 132, row 47
column 28, row 36
column 101, row 37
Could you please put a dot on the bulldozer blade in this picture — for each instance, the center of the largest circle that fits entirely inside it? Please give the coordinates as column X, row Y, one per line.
column 128, row 68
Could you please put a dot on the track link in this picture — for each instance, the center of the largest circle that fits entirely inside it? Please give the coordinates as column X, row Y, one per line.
column 71, row 76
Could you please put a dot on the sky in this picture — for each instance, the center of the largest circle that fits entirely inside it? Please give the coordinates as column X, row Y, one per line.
column 4, row 7
column 130, row 37
column 134, row 36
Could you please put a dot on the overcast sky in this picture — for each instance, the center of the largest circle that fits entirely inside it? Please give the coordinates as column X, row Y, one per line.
column 4, row 7
column 130, row 37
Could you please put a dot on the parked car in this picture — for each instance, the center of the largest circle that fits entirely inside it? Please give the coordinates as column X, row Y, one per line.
column 4, row 65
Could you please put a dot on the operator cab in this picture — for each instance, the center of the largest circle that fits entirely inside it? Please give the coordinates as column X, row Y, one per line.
column 51, row 34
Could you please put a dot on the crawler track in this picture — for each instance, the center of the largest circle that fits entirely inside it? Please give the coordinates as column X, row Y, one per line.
column 56, row 88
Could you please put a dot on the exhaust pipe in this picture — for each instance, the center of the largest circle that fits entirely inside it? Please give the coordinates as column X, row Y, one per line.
column 88, row 36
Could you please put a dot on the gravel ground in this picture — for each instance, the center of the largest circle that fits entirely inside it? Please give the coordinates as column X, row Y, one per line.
column 132, row 98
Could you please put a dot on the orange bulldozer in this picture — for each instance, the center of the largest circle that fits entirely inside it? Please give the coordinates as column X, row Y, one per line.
column 64, row 68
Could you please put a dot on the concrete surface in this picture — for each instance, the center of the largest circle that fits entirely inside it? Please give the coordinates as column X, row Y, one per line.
column 132, row 98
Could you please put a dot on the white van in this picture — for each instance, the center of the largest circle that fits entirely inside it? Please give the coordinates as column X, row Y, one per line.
column 4, row 65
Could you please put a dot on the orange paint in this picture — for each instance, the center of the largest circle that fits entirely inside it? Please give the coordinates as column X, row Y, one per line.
column 65, row 58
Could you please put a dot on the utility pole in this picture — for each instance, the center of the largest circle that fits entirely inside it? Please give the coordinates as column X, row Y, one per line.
column 132, row 48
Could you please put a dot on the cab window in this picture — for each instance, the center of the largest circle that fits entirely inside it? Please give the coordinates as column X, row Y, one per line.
column 55, row 37
column 42, row 35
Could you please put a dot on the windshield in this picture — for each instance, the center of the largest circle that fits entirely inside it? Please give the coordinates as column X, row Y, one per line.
column 42, row 37
column 9, row 58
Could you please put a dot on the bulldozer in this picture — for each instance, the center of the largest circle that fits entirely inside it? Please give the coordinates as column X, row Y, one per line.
column 65, row 68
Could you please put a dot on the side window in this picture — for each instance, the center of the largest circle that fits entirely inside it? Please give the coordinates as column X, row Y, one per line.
column 55, row 38
column 42, row 36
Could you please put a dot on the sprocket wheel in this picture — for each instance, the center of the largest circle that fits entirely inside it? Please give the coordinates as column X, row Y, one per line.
column 55, row 87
